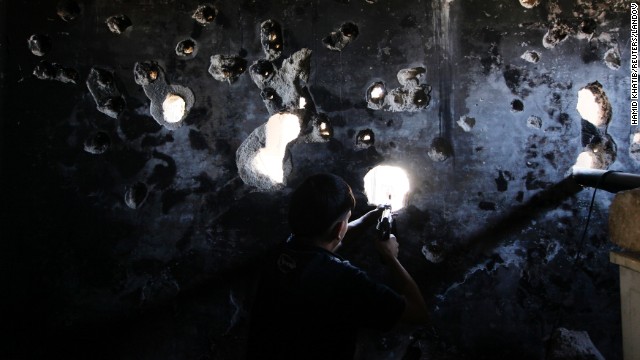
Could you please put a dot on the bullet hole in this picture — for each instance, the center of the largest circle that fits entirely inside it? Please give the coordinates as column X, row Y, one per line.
column 349, row 30
column 433, row 252
column 289, row 82
column 599, row 154
column 587, row 27
column 68, row 10
column 421, row 99
column 593, row 105
column 97, row 143
column 531, row 56
column 39, row 44
column 342, row 37
column 365, row 139
column 135, row 195
column 170, row 104
column 557, row 33
column 271, row 39
column 392, row 144
column 205, row 14
column 261, row 156
column 186, row 48
column 322, row 128
column 118, row 24
column 173, row 108
column 440, row 149
column 52, row 71
column 534, row 122
column 146, row 72
column 104, row 89
column 375, row 95
column 612, row 58
column 227, row 68
column 529, row 4
column 112, row 106
column 502, row 184
column 517, row 105
column 262, row 71
column 487, row 206
column 466, row 123
column 411, row 76
column 387, row 185
column 390, row 123
column 410, row 97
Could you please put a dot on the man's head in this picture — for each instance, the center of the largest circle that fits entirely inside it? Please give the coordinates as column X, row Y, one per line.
column 318, row 204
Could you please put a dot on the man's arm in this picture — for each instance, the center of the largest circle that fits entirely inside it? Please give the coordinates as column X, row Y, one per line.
column 416, row 309
column 359, row 226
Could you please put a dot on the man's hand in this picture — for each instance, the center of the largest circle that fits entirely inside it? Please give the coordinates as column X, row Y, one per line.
column 359, row 226
column 388, row 249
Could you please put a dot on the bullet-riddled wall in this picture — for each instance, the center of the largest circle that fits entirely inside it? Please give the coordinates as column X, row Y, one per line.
column 136, row 134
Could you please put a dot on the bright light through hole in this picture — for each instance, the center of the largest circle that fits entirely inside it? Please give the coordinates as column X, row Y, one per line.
column 279, row 131
column 589, row 108
column 387, row 185
column 377, row 92
column 586, row 160
column 173, row 108
column 303, row 102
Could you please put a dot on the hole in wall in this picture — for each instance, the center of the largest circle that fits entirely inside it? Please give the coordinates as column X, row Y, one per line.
column 68, row 10
column 52, row 71
column 557, row 33
column 343, row 36
column 593, row 104
column 322, row 128
column 39, row 44
column 365, row 138
column 118, row 24
column 279, row 131
column 135, row 195
column 187, row 48
column 375, row 95
column 517, row 105
column 97, row 143
column 440, row 149
column 271, row 39
column 227, row 68
column 612, row 58
column 531, row 56
column 105, row 92
column 205, row 14
column 170, row 104
column 262, row 70
column 145, row 72
column 421, row 99
column 272, row 100
column 173, row 108
column 387, row 185
column 529, row 4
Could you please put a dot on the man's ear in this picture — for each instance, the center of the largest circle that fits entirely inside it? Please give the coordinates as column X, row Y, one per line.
column 337, row 229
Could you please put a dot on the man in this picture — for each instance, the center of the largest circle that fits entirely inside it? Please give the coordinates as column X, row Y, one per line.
column 311, row 302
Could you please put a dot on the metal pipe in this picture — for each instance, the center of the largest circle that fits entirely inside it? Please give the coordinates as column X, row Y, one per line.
column 608, row 180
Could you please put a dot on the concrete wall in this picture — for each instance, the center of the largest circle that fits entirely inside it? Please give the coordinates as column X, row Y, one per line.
column 492, row 230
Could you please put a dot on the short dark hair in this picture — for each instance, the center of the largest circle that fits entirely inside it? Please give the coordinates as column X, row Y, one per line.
column 317, row 203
